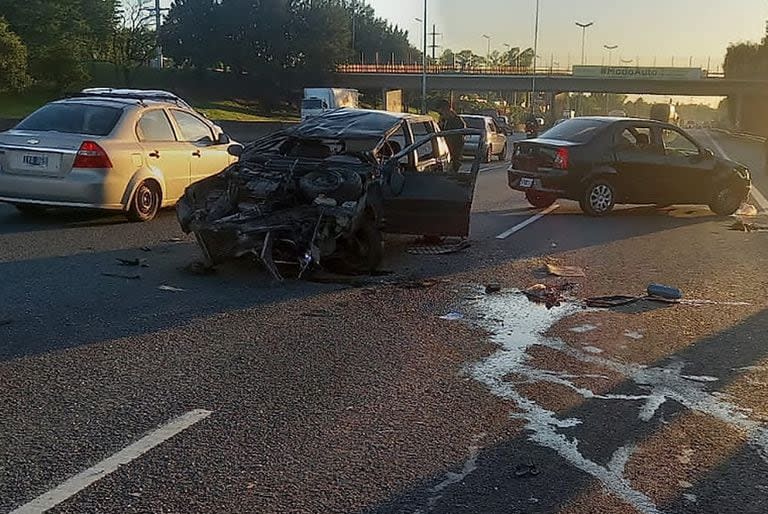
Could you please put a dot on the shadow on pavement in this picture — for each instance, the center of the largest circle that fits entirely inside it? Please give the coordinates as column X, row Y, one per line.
column 738, row 484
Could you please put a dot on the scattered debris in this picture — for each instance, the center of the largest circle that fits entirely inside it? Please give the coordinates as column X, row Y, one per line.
column 664, row 292
column 171, row 289
column 593, row 349
column 742, row 226
column 691, row 498
column 142, row 263
column 683, row 484
column 583, row 329
column 174, row 240
column 417, row 284
column 607, row 302
column 746, row 209
column 703, row 380
column 5, row 322
column 440, row 249
column 565, row 271
column 633, row 334
column 146, row 249
column 685, row 457
column 551, row 296
column 318, row 313
column 121, row 275
column 492, row 288
column 200, row 269
column 453, row 316
column 524, row 470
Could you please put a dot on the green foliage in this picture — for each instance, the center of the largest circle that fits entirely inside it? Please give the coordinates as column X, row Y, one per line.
column 748, row 61
column 13, row 60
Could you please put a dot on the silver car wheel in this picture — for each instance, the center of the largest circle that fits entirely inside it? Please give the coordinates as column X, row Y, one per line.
column 601, row 198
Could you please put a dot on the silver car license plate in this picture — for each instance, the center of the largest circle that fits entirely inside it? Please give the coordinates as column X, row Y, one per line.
column 526, row 182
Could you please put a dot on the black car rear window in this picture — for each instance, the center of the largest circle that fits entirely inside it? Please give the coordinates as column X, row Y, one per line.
column 575, row 130
column 475, row 123
column 73, row 118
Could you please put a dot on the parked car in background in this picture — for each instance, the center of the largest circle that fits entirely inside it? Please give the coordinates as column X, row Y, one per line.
column 501, row 121
column 495, row 137
column 127, row 150
column 318, row 100
column 322, row 193
column 601, row 162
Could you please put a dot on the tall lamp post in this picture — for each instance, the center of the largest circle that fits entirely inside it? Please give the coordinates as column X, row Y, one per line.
column 424, row 64
column 488, row 53
column 584, row 27
column 610, row 49
column 535, row 55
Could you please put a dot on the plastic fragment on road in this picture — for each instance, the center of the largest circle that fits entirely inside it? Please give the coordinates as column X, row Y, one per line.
column 566, row 271
column 551, row 296
column 746, row 209
column 445, row 248
column 665, row 292
column 417, row 284
column 633, row 334
column 492, row 288
column 452, row 316
column 142, row 263
column 524, row 470
column 742, row 226
column 171, row 289
column 607, row 302
column 121, row 275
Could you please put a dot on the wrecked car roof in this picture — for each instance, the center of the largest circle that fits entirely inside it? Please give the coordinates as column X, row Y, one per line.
column 351, row 124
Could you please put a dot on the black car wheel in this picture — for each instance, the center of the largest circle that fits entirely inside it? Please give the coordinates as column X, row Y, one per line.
column 362, row 252
column 728, row 200
column 540, row 200
column 146, row 202
column 599, row 198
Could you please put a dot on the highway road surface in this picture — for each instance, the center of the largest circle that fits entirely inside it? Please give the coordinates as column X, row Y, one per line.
column 153, row 389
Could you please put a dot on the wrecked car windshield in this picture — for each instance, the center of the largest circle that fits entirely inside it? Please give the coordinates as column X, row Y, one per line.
column 383, row 257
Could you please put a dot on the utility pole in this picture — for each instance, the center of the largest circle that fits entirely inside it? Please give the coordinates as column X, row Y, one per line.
column 535, row 55
column 434, row 46
column 488, row 53
column 424, row 64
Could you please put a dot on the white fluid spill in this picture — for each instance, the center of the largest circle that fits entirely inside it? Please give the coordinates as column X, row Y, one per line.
column 583, row 329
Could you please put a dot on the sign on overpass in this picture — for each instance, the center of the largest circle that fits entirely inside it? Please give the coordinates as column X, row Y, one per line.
column 638, row 73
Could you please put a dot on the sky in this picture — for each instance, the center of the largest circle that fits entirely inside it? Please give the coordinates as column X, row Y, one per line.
column 651, row 29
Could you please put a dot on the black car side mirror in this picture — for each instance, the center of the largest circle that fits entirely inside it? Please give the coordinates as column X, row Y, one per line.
column 235, row 150
column 224, row 139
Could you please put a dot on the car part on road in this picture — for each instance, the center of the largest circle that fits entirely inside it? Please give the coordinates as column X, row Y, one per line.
column 540, row 200
column 607, row 302
column 452, row 316
column 565, row 271
column 666, row 292
column 171, row 289
column 747, row 209
column 444, row 248
column 599, row 198
column 133, row 262
column 551, row 296
column 492, row 288
column 120, row 275
column 742, row 226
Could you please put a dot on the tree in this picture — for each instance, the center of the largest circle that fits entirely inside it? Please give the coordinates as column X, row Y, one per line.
column 132, row 42
column 13, row 60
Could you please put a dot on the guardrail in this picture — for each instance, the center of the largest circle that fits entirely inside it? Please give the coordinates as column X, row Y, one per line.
column 436, row 69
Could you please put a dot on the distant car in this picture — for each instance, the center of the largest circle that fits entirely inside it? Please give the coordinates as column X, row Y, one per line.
column 601, row 162
column 501, row 121
column 497, row 140
column 126, row 150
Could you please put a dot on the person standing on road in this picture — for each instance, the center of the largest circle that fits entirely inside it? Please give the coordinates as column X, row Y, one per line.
column 449, row 120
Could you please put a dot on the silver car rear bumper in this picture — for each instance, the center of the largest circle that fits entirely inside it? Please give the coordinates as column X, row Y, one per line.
column 80, row 188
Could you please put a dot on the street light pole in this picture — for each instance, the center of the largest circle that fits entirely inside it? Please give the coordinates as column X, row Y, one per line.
column 535, row 55
column 488, row 53
column 424, row 64
column 584, row 27
column 610, row 49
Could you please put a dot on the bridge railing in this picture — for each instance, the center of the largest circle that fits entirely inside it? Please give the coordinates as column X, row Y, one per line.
column 436, row 69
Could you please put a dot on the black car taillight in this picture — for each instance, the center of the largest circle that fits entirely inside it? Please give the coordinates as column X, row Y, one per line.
column 562, row 159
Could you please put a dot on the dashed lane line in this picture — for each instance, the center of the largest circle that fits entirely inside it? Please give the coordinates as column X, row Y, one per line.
column 109, row 465
column 533, row 219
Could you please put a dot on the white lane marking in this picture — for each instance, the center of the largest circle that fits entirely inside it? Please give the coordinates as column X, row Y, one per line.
column 756, row 194
column 529, row 221
column 95, row 473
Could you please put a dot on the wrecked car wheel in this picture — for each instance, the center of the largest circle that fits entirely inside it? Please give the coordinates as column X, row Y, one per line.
column 361, row 253
column 540, row 200
column 728, row 200
column 341, row 185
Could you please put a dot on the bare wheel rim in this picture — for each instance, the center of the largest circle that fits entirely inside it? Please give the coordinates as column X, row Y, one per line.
column 601, row 197
column 146, row 200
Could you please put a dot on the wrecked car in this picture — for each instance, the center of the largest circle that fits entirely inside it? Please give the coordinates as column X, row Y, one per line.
column 320, row 194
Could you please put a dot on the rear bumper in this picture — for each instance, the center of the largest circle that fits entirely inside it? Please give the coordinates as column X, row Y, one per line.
column 553, row 181
column 80, row 188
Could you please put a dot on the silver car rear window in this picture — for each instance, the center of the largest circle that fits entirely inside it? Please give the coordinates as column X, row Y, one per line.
column 73, row 118
column 475, row 123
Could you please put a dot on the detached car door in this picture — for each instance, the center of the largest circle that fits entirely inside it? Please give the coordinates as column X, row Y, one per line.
column 208, row 157
column 427, row 200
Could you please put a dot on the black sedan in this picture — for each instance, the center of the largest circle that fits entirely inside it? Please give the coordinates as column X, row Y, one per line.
column 603, row 161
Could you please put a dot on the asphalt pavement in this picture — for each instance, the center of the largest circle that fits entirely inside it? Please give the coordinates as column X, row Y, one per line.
column 150, row 388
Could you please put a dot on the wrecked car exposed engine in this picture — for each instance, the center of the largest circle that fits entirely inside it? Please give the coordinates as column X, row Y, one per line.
column 320, row 194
